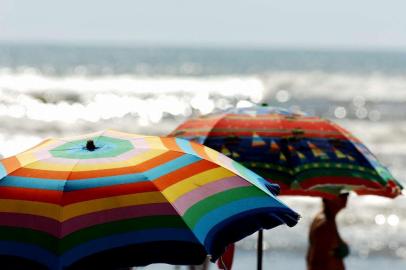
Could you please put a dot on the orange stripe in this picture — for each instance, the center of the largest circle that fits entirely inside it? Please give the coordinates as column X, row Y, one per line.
column 149, row 164
column 36, row 173
column 29, row 194
column 171, row 144
column 106, row 192
column 11, row 164
column 199, row 149
column 174, row 177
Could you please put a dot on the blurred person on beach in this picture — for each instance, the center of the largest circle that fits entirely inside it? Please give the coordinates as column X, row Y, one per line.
column 326, row 248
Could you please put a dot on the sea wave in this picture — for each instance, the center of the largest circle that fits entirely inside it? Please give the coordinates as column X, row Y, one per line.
column 35, row 105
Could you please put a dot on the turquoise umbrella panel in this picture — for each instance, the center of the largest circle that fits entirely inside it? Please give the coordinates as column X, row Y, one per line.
column 105, row 147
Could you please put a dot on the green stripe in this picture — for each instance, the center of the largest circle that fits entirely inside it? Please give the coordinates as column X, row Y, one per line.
column 29, row 236
column 108, row 147
column 198, row 210
column 315, row 169
column 59, row 246
column 311, row 173
column 102, row 230
column 332, row 165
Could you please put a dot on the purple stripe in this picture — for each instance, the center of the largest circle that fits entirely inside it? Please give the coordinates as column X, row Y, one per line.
column 56, row 229
column 33, row 222
column 84, row 221
column 186, row 201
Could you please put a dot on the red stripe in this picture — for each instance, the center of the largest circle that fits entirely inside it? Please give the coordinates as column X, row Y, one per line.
column 282, row 134
column 55, row 196
column 108, row 191
column 29, row 194
column 313, row 129
column 183, row 173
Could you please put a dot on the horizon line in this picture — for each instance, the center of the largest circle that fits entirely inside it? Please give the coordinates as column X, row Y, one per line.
column 202, row 45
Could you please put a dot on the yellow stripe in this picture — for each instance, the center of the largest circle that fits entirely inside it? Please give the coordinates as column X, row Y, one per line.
column 48, row 210
column 212, row 154
column 82, row 208
column 61, row 214
column 29, row 156
column 26, row 158
column 43, row 165
column 175, row 191
column 215, row 158
column 155, row 143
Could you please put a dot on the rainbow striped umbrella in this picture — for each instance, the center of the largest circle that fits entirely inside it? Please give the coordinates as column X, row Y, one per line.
column 305, row 155
column 112, row 199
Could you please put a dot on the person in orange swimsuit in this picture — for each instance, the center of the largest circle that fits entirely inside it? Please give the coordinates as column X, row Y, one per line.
column 326, row 249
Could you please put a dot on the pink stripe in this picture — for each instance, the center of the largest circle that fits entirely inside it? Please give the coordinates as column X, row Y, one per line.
column 226, row 161
column 56, row 229
column 44, row 152
column 123, row 157
column 140, row 143
column 42, row 155
column 115, row 214
column 33, row 222
column 186, row 201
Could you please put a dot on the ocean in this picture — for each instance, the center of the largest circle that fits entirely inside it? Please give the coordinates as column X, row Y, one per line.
column 59, row 90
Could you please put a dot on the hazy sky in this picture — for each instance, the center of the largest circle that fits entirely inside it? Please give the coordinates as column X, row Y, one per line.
column 310, row 23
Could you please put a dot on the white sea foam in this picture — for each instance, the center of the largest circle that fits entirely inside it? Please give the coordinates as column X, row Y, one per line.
column 338, row 86
column 34, row 106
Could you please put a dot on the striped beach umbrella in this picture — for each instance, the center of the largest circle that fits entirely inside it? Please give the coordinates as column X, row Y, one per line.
column 305, row 155
column 111, row 199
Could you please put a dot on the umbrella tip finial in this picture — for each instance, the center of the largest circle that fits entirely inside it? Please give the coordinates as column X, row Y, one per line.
column 90, row 145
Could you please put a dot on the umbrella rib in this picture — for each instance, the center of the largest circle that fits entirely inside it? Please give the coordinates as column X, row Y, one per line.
column 215, row 125
column 181, row 216
column 236, row 172
column 23, row 166
column 220, row 118
column 63, row 192
column 345, row 133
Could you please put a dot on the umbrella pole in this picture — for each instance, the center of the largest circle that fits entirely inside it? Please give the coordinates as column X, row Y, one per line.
column 259, row 250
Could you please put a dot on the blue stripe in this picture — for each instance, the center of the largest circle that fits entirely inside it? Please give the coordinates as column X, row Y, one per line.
column 253, row 178
column 104, row 181
column 27, row 182
column 73, row 185
column 3, row 171
column 120, row 240
column 212, row 218
column 185, row 146
column 171, row 166
column 30, row 252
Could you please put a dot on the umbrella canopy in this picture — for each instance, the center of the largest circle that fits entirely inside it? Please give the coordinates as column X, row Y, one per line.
column 305, row 155
column 112, row 199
